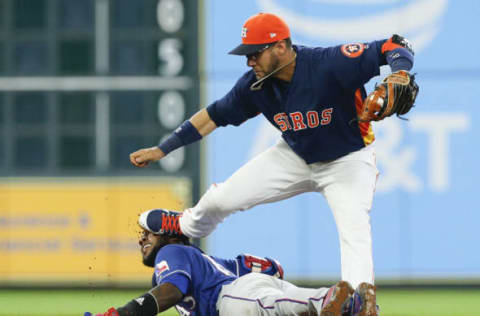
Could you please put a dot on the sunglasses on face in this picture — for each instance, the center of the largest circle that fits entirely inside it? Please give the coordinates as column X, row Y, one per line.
column 255, row 56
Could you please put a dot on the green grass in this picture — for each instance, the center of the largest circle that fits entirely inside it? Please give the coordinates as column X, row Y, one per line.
column 75, row 302
column 65, row 302
column 429, row 302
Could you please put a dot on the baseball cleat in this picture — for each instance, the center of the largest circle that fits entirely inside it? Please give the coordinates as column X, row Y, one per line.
column 161, row 222
column 364, row 301
column 336, row 301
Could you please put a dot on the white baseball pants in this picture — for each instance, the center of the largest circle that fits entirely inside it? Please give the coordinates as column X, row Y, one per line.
column 347, row 183
column 259, row 294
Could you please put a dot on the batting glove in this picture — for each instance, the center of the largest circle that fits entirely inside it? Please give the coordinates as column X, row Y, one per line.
column 248, row 263
column 111, row 312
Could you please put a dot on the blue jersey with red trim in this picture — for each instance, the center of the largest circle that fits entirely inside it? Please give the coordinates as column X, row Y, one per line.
column 198, row 276
column 316, row 111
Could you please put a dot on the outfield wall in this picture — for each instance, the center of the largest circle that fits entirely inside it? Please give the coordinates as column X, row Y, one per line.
column 65, row 229
column 79, row 231
column 82, row 85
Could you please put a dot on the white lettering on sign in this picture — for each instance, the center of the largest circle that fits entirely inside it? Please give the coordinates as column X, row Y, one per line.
column 396, row 161
column 395, row 157
column 440, row 127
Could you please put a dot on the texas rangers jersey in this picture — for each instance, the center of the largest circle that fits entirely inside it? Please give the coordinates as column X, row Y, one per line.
column 316, row 110
column 198, row 276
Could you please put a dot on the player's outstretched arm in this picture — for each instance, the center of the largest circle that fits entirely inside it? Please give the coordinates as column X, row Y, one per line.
column 192, row 130
column 396, row 94
column 157, row 300
column 167, row 295
column 142, row 157
column 203, row 123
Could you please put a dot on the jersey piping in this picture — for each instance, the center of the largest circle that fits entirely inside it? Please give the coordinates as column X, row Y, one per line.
column 366, row 130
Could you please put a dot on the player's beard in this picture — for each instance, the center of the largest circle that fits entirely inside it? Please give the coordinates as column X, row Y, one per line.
column 270, row 71
column 274, row 63
column 149, row 260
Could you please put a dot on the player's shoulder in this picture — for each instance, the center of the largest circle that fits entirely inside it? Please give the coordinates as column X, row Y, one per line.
column 313, row 51
column 314, row 56
column 345, row 51
column 305, row 52
column 178, row 248
column 175, row 250
column 171, row 259
column 177, row 256
column 318, row 59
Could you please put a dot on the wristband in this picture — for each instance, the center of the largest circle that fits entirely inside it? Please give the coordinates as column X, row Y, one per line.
column 400, row 59
column 145, row 305
column 170, row 144
column 184, row 135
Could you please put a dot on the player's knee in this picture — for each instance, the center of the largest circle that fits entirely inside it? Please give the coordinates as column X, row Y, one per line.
column 354, row 221
column 215, row 202
column 220, row 200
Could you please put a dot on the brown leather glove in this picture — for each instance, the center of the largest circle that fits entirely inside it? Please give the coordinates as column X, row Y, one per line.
column 395, row 95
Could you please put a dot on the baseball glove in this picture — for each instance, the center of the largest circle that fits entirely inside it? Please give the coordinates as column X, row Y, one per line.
column 395, row 95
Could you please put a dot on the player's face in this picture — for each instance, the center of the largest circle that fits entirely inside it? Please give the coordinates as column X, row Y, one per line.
column 150, row 244
column 263, row 62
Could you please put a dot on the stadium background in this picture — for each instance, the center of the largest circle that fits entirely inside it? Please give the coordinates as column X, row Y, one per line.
column 84, row 83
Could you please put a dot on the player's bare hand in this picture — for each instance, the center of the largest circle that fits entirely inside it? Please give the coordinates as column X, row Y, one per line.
column 142, row 157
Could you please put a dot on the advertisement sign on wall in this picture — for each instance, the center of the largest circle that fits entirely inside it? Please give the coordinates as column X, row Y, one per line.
column 79, row 230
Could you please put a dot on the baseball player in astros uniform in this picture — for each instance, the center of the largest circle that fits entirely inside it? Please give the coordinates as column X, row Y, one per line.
column 312, row 96
column 199, row 284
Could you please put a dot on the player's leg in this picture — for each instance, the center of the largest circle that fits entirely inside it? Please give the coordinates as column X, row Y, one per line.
column 349, row 186
column 333, row 301
column 364, row 301
column 241, row 297
column 273, row 175
column 259, row 294
column 338, row 300
column 293, row 300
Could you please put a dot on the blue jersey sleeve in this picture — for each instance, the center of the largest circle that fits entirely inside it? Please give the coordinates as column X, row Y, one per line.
column 236, row 106
column 230, row 264
column 398, row 52
column 353, row 65
column 179, row 280
column 173, row 265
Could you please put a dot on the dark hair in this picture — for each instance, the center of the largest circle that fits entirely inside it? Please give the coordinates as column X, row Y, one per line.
column 185, row 240
column 288, row 41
